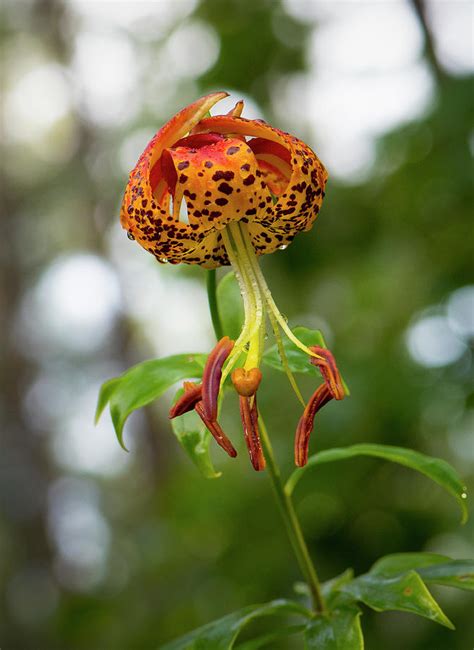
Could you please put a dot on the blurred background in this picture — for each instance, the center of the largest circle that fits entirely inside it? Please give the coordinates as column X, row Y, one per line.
column 100, row 549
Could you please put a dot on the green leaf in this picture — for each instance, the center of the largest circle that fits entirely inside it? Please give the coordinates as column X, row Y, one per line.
column 143, row 383
column 457, row 573
column 264, row 640
column 222, row 634
column 330, row 587
column 432, row 568
column 406, row 593
column 436, row 469
column 194, row 438
column 105, row 394
column 340, row 630
column 231, row 310
column 392, row 565
column 298, row 360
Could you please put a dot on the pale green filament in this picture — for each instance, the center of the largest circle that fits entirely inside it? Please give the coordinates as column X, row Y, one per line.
column 284, row 360
column 248, row 307
column 255, row 349
column 271, row 303
column 255, row 294
column 251, row 334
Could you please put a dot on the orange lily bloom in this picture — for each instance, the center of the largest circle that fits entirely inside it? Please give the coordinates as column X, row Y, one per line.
column 218, row 191
column 221, row 178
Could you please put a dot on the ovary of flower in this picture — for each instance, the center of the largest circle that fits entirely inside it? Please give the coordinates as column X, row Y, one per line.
column 248, row 188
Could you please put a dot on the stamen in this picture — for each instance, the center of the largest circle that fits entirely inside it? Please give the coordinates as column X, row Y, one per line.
column 328, row 368
column 321, row 396
column 211, row 377
column 216, row 431
column 268, row 296
column 187, row 401
column 249, row 415
column 246, row 382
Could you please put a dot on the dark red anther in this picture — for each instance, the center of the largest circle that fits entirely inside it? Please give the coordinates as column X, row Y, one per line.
column 249, row 415
column 191, row 396
column 211, row 378
column 216, row 431
column 328, row 368
column 320, row 397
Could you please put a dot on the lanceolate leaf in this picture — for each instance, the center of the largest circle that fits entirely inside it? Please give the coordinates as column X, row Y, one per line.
column 392, row 565
column 433, row 568
column 298, row 360
column 338, row 631
column 264, row 641
column 406, row 593
column 230, row 307
column 222, row 634
column 436, row 469
column 143, row 383
column 194, row 438
column 457, row 573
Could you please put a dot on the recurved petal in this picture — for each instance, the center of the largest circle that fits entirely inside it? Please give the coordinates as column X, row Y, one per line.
column 145, row 207
column 298, row 205
column 218, row 181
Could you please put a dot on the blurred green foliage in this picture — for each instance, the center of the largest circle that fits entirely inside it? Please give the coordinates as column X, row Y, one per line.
column 182, row 550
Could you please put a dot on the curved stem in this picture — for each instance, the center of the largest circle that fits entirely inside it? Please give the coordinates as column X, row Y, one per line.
column 213, row 307
column 291, row 522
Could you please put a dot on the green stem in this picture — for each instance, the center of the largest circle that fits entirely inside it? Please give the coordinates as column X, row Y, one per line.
column 291, row 522
column 213, row 307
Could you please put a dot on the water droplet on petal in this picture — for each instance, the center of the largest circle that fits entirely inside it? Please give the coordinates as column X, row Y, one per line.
column 163, row 260
column 283, row 247
column 464, row 495
column 130, row 235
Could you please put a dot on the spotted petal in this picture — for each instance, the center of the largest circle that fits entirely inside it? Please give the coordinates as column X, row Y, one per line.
column 298, row 205
column 145, row 208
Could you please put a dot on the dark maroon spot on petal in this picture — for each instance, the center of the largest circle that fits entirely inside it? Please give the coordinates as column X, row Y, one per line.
column 221, row 201
column 223, row 175
column 245, row 168
column 231, row 150
column 225, row 188
column 250, row 180
column 183, row 165
column 208, row 164
column 183, row 178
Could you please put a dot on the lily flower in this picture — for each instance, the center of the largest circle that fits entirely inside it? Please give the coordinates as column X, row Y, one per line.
column 218, row 191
